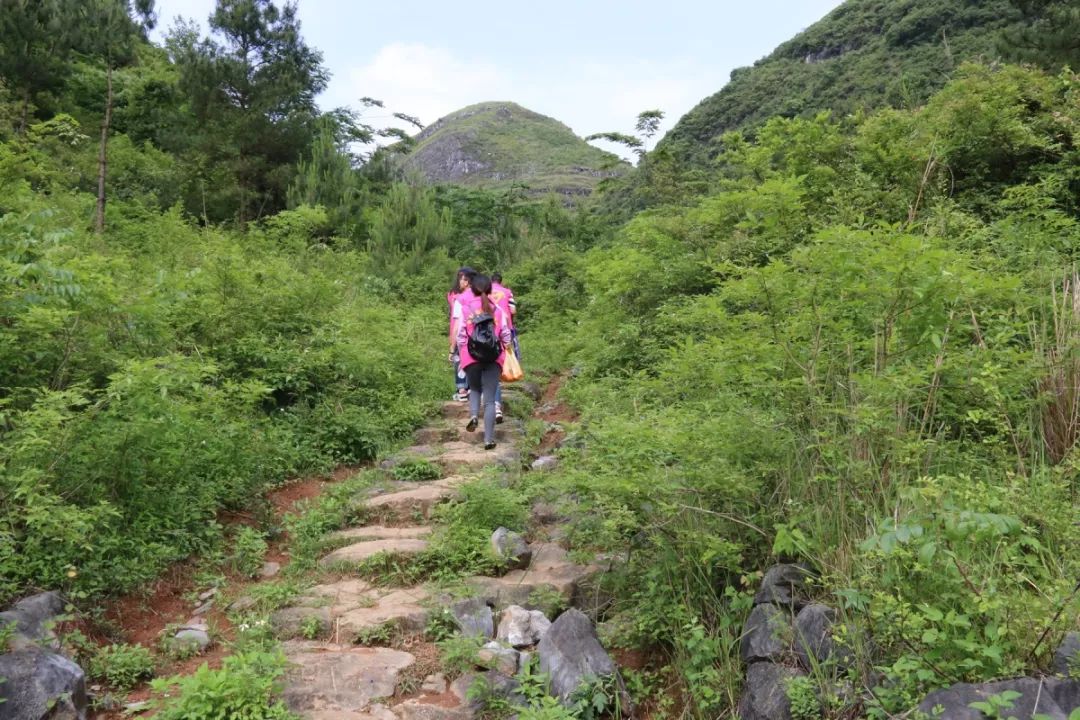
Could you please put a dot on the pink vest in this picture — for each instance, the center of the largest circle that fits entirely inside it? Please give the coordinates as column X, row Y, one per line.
column 470, row 306
column 501, row 295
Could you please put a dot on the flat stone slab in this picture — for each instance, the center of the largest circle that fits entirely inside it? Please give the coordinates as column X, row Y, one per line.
column 414, row 498
column 550, row 567
column 359, row 552
column 472, row 455
column 349, row 608
column 380, row 532
column 455, row 410
column 341, row 681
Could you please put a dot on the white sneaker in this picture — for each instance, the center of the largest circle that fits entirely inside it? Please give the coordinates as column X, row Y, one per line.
column 498, row 414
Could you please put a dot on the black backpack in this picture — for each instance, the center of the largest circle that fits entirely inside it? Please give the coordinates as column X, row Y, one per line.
column 484, row 345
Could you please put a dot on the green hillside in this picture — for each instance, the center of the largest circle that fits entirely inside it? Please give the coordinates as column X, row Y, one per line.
column 499, row 143
column 865, row 54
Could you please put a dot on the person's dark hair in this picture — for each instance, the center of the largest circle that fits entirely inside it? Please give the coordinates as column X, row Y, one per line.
column 496, row 277
column 481, row 286
column 467, row 272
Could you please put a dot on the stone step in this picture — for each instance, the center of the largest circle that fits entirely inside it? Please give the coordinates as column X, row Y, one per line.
column 413, row 499
column 460, row 456
column 349, row 610
column 549, row 570
column 327, row 680
column 353, row 555
column 455, row 410
column 434, row 435
column 380, row 532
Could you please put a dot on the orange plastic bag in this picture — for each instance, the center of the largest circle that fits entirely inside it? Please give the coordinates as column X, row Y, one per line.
column 511, row 369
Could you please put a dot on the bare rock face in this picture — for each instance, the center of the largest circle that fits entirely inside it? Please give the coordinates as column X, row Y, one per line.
column 40, row 684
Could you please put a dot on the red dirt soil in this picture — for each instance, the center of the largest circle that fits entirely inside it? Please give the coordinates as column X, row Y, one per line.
column 556, row 411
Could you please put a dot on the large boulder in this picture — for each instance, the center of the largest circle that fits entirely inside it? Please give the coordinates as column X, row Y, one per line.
column 764, row 695
column 767, row 634
column 814, row 643
column 31, row 620
column 783, row 585
column 40, row 684
column 520, row 627
column 571, row 656
column 1067, row 657
column 1052, row 698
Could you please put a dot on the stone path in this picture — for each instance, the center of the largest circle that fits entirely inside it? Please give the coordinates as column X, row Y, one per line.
column 344, row 678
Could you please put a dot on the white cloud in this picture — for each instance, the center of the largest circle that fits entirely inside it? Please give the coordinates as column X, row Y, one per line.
column 423, row 81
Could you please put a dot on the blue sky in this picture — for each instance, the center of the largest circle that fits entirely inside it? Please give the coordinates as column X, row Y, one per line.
column 592, row 64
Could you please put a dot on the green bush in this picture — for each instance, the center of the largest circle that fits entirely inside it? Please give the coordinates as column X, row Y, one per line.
column 244, row 688
column 247, row 550
column 121, row 666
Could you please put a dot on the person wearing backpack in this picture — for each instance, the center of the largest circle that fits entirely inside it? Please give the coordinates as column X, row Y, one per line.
column 482, row 337
column 503, row 298
column 458, row 291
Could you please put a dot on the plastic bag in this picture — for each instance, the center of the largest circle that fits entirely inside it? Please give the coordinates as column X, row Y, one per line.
column 511, row 369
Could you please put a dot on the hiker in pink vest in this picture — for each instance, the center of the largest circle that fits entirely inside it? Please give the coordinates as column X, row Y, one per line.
column 458, row 291
column 483, row 374
column 504, row 298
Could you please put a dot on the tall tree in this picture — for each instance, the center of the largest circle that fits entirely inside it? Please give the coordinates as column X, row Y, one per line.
column 35, row 48
column 1050, row 36
column 252, row 86
column 111, row 30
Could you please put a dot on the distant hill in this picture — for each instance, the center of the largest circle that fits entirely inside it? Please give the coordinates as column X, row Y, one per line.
column 864, row 54
column 499, row 143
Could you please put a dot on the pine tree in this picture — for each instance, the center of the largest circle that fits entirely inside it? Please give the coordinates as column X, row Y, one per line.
column 1050, row 37
column 252, row 87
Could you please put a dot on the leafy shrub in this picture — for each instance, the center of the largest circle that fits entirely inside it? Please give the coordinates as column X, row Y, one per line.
column 122, row 666
column 243, row 688
column 458, row 654
column 248, row 548
column 416, row 470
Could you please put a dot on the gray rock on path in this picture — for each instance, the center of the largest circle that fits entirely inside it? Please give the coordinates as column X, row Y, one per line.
column 270, row 569
column 814, row 643
column 31, row 617
column 496, row 656
column 194, row 635
column 767, row 634
column 511, row 549
column 783, row 585
column 571, row 655
column 41, row 684
column 1052, row 697
column 474, row 618
column 1067, row 656
column 764, row 694
column 521, row 628
column 545, row 463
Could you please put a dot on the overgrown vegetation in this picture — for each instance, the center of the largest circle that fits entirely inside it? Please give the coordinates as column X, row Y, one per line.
column 857, row 352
